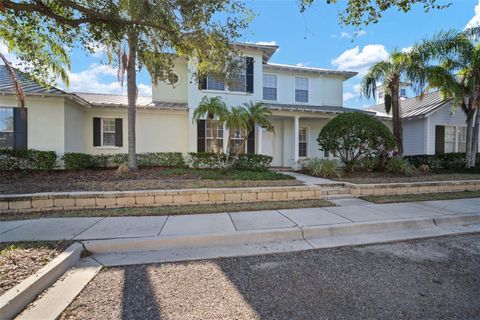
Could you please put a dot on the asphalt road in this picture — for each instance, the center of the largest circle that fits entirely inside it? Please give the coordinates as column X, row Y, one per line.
column 426, row 279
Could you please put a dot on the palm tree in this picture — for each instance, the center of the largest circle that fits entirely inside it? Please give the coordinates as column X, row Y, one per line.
column 236, row 118
column 215, row 111
column 256, row 114
column 455, row 71
column 400, row 67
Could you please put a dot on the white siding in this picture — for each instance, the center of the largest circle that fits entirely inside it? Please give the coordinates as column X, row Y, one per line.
column 413, row 137
column 75, row 135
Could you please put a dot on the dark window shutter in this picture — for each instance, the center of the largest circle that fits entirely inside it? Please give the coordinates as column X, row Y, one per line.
column 202, row 83
column 439, row 139
column 20, row 128
column 251, row 142
column 118, row 132
column 97, row 131
column 249, row 61
column 201, row 136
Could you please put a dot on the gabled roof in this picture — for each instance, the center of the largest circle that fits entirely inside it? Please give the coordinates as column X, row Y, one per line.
column 268, row 49
column 311, row 108
column 117, row 100
column 414, row 107
column 28, row 85
column 287, row 67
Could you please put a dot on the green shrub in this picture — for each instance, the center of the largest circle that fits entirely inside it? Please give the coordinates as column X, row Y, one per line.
column 369, row 164
column 399, row 166
column 202, row 160
column 161, row 159
column 454, row 160
column 254, row 162
column 320, row 167
column 14, row 159
column 354, row 136
column 78, row 161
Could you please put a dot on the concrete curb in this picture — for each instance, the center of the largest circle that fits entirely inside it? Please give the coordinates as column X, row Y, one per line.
column 270, row 235
column 17, row 298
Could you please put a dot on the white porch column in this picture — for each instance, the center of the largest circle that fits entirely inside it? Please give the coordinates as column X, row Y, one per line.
column 296, row 127
column 225, row 138
column 259, row 130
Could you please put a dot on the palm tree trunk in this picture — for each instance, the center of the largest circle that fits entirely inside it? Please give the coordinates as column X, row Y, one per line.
column 476, row 131
column 397, row 121
column 469, row 137
column 132, row 98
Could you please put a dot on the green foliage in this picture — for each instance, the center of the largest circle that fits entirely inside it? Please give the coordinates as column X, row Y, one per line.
column 227, row 174
column 320, row 167
column 354, row 136
column 370, row 164
column 253, row 162
column 358, row 13
column 454, row 161
column 399, row 166
column 206, row 160
column 14, row 159
column 82, row 161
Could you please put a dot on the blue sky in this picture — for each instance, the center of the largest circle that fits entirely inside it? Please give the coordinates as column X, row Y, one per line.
column 313, row 38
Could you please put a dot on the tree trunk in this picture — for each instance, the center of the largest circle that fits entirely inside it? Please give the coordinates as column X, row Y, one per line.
column 397, row 121
column 469, row 137
column 476, row 131
column 132, row 99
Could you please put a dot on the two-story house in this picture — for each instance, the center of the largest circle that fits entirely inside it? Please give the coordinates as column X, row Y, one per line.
column 302, row 101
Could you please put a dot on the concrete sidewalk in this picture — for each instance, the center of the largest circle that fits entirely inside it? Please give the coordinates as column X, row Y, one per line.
column 348, row 212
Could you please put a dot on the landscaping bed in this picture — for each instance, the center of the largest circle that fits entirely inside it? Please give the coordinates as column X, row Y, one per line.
column 157, row 178
column 171, row 210
column 20, row 260
column 385, row 177
column 422, row 197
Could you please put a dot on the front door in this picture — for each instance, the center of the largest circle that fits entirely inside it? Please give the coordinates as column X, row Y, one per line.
column 268, row 146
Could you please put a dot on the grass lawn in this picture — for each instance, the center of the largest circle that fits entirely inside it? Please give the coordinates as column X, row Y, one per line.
column 19, row 260
column 172, row 210
column 142, row 179
column 383, row 177
column 422, row 197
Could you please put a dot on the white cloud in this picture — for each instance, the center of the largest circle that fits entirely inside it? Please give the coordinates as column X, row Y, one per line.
column 346, row 35
column 348, row 96
column 98, row 79
column 266, row 43
column 360, row 60
column 302, row 64
column 475, row 21
column 407, row 49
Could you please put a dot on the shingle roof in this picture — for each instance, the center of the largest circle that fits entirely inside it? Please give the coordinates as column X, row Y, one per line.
column 28, row 85
column 310, row 108
column 414, row 107
column 117, row 100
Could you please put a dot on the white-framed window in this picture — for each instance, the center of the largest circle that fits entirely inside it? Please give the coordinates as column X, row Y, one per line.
column 215, row 84
column 403, row 92
column 301, row 89
column 108, row 132
column 270, row 87
column 302, row 142
column 6, row 127
column 211, row 144
column 236, row 141
column 173, row 79
column 239, row 81
column 380, row 95
column 455, row 139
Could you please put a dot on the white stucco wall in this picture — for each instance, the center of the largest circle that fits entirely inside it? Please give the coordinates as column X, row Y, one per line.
column 173, row 93
column 45, row 121
column 156, row 130
column 75, row 134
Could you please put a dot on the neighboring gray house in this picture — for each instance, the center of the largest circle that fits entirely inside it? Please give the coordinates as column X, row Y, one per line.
column 430, row 125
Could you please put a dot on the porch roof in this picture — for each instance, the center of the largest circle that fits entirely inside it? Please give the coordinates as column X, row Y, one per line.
column 118, row 100
column 312, row 108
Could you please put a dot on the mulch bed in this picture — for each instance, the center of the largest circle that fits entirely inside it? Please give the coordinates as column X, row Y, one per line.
column 109, row 180
column 384, row 177
column 20, row 260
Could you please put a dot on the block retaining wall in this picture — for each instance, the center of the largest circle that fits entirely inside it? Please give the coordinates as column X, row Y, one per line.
column 155, row 198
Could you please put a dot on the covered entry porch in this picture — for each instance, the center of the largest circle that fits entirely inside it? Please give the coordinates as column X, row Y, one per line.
column 294, row 138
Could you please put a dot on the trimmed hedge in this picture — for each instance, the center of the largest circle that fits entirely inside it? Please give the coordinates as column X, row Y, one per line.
column 454, row 160
column 82, row 161
column 14, row 159
column 254, row 162
column 205, row 160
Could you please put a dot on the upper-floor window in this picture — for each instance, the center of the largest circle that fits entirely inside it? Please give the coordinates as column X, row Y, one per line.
column 380, row 95
column 269, row 87
column 6, row 127
column 403, row 92
column 301, row 89
column 240, row 82
column 214, row 84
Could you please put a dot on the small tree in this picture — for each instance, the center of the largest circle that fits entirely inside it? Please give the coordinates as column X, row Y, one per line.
column 215, row 111
column 354, row 136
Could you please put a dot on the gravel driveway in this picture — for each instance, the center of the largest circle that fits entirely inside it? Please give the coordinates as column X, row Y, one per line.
column 429, row 279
